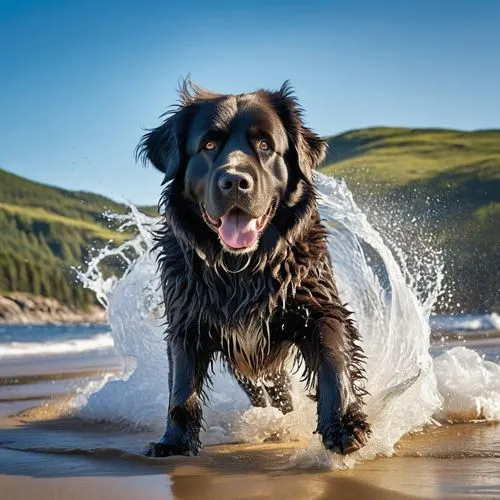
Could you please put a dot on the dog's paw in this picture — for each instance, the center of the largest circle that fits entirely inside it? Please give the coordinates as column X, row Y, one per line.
column 345, row 440
column 349, row 434
column 165, row 450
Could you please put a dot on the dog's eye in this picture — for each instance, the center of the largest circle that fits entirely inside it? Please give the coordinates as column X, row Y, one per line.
column 209, row 145
column 263, row 145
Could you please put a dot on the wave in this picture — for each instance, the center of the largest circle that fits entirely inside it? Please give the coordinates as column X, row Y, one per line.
column 100, row 342
column 469, row 385
column 466, row 322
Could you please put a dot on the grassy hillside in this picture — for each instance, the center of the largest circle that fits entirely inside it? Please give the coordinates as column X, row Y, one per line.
column 400, row 156
column 45, row 232
column 448, row 179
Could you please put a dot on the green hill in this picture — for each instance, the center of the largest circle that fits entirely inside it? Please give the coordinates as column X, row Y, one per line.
column 449, row 180
column 45, row 232
column 400, row 156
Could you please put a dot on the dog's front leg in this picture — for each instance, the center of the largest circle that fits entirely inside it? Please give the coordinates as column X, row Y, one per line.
column 186, row 374
column 341, row 421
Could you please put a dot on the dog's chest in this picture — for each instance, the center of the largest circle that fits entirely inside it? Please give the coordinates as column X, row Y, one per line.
column 243, row 338
column 239, row 322
column 224, row 312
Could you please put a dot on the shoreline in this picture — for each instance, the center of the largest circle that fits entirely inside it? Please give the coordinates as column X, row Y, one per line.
column 50, row 449
column 23, row 309
column 51, row 455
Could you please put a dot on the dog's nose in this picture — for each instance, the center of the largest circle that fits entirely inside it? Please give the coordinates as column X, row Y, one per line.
column 235, row 183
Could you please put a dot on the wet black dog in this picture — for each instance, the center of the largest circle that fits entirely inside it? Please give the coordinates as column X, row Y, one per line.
column 245, row 266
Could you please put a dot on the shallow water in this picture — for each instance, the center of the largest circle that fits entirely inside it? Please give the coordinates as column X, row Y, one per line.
column 51, row 457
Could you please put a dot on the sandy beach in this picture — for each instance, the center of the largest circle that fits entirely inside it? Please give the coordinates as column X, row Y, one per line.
column 48, row 451
column 48, row 455
column 70, row 459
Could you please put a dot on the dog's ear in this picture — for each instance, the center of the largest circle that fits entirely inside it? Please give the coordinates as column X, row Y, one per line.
column 309, row 148
column 162, row 146
column 311, row 151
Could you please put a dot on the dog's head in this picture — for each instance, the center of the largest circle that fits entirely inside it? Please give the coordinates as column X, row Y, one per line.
column 235, row 159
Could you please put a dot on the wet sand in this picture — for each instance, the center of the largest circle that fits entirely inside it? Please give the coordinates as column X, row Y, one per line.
column 48, row 455
column 44, row 455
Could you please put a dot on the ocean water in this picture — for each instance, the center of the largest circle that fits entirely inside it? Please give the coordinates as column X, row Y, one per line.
column 465, row 322
column 416, row 376
column 46, row 362
column 30, row 341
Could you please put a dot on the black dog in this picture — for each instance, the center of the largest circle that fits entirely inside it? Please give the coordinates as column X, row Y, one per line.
column 244, row 264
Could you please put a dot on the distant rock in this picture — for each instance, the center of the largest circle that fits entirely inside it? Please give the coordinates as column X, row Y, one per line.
column 20, row 308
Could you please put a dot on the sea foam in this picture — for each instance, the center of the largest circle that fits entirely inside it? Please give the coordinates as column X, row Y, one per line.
column 99, row 342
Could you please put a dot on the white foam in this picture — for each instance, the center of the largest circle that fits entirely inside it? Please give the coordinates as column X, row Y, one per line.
column 100, row 342
column 466, row 322
column 495, row 320
column 391, row 314
column 470, row 386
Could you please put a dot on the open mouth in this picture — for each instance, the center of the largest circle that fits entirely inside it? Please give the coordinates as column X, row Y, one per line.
column 236, row 229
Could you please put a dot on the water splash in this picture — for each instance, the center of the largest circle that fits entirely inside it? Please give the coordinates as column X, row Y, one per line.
column 391, row 305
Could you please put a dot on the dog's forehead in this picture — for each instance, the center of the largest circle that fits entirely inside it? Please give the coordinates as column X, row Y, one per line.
column 238, row 114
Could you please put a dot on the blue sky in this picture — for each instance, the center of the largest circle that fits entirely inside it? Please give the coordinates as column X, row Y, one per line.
column 80, row 80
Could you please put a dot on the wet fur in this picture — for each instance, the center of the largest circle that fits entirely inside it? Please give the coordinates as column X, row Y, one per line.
column 255, row 310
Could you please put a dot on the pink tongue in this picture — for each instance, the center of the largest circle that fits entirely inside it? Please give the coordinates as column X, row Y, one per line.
column 238, row 230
